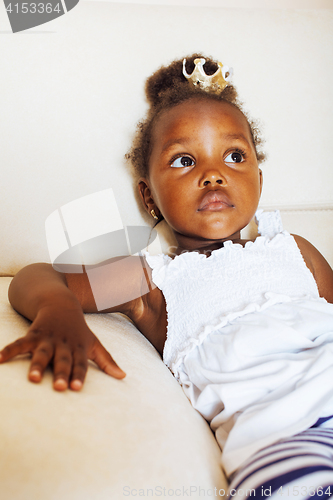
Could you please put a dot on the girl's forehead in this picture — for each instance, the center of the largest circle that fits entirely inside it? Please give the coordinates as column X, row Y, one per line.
column 200, row 112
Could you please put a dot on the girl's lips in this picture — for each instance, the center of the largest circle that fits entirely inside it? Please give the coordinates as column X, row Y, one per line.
column 214, row 200
column 215, row 206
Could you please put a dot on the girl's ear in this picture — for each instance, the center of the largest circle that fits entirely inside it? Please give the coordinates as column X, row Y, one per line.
column 146, row 197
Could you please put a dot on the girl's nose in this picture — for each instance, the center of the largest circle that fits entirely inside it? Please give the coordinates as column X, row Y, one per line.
column 212, row 176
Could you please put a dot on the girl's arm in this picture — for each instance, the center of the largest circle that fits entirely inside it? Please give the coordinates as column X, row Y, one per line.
column 319, row 267
column 55, row 303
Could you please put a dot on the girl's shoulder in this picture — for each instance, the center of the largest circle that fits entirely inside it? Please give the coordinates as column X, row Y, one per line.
column 318, row 266
column 270, row 224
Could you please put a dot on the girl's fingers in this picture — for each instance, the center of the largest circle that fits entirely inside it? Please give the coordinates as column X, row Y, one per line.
column 69, row 364
column 105, row 361
column 62, row 367
column 80, row 367
column 40, row 360
column 20, row 346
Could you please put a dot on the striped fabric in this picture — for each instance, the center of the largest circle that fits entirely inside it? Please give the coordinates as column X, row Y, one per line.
column 299, row 467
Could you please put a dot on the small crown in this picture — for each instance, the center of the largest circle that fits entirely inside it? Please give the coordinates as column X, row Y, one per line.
column 211, row 83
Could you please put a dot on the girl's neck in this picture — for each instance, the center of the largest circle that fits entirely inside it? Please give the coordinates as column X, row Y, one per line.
column 188, row 244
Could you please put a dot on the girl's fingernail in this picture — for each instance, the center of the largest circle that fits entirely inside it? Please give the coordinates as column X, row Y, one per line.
column 60, row 384
column 76, row 385
column 122, row 374
column 34, row 375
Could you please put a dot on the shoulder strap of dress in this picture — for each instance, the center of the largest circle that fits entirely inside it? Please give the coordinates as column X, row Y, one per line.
column 269, row 223
column 158, row 264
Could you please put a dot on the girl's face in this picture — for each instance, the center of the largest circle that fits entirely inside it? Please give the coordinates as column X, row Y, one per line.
column 203, row 173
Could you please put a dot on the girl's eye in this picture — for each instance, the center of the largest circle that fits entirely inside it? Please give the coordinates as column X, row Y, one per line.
column 183, row 161
column 234, row 157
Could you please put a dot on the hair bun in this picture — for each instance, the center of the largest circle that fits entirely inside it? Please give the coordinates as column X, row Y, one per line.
column 169, row 77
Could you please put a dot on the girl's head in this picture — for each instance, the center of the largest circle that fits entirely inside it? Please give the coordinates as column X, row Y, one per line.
column 196, row 156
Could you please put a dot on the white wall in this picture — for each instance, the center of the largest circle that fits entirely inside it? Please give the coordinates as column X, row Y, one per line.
column 72, row 92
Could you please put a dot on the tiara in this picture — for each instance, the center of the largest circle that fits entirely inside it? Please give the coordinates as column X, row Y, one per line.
column 211, row 83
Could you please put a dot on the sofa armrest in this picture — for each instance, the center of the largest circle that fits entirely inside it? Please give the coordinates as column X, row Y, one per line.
column 112, row 439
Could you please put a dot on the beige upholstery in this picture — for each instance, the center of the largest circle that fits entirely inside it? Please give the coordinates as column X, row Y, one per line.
column 72, row 92
column 113, row 437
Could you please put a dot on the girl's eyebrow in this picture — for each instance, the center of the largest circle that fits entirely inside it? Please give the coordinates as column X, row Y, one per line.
column 186, row 140
column 172, row 142
column 239, row 137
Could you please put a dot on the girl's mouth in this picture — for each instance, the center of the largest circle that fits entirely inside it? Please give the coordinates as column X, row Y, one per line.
column 214, row 201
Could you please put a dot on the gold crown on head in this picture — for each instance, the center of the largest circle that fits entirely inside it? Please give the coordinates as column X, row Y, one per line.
column 211, row 83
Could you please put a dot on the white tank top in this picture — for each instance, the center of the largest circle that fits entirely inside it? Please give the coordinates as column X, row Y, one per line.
column 205, row 293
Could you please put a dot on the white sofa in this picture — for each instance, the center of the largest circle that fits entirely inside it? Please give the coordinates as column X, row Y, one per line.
column 72, row 93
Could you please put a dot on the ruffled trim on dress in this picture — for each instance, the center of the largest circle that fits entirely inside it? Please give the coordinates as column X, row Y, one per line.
column 158, row 264
column 269, row 223
column 160, row 261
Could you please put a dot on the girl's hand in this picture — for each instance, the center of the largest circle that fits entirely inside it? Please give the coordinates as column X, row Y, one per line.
column 63, row 339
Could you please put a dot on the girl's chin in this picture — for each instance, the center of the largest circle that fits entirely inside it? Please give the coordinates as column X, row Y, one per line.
column 219, row 232
column 208, row 230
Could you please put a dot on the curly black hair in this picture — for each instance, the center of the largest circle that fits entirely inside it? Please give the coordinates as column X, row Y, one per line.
column 167, row 88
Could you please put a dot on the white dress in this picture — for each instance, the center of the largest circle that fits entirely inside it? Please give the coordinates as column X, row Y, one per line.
column 249, row 339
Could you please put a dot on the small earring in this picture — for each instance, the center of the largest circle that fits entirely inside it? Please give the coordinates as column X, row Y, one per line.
column 152, row 212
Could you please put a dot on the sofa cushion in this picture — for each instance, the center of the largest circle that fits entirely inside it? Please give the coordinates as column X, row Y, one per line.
column 108, row 441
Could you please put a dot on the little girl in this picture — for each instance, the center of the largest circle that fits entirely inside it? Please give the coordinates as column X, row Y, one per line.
column 245, row 326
